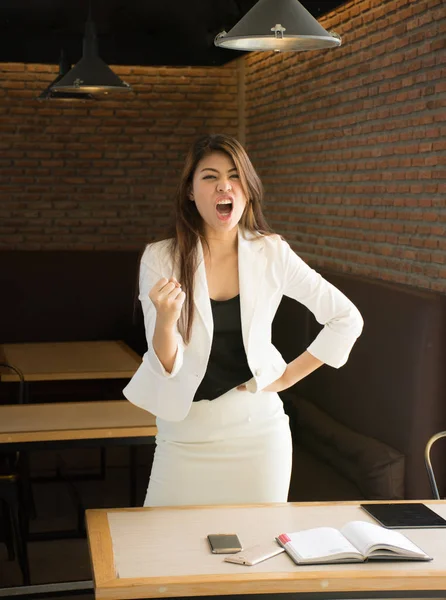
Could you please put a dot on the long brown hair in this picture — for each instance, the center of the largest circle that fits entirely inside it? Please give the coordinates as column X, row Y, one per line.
column 188, row 225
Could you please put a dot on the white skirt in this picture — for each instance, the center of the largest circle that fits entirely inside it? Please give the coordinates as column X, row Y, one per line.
column 235, row 449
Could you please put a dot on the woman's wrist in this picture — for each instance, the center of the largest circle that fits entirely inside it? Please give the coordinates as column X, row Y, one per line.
column 165, row 345
column 164, row 327
column 285, row 381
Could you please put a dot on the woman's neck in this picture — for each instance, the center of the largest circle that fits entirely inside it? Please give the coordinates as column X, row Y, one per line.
column 217, row 244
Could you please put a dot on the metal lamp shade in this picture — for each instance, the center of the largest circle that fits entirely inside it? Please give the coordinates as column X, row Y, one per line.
column 50, row 94
column 91, row 74
column 282, row 25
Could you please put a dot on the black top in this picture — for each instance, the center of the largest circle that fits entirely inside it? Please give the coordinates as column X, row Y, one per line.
column 227, row 366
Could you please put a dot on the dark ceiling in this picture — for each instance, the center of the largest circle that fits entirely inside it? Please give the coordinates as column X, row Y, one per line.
column 130, row 32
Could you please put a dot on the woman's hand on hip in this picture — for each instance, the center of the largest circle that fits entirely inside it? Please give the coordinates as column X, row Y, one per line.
column 276, row 386
column 296, row 370
column 168, row 299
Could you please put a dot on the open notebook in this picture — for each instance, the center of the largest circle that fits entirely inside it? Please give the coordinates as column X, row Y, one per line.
column 357, row 541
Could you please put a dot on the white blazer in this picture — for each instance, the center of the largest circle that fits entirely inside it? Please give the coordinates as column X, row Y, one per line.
column 268, row 269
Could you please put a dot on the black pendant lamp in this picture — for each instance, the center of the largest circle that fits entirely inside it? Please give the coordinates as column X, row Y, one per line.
column 50, row 94
column 281, row 25
column 91, row 74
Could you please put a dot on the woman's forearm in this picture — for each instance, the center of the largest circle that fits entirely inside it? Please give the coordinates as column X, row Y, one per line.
column 299, row 368
column 165, row 345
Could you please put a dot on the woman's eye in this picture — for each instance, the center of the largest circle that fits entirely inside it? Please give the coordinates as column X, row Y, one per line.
column 235, row 176
column 209, row 177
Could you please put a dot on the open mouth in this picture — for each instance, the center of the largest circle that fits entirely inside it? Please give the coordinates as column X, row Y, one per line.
column 224, row 208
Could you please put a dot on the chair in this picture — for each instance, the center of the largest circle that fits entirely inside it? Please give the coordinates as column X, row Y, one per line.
column 11, row 495
column 427, row 460
column 12, row 498
column 19, row 373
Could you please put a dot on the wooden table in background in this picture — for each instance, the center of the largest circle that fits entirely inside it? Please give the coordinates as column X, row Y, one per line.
column 59, row 361
column 22, row 424
column 163, row 553
column 74, row 424
column 55, row 361
column 60, row 425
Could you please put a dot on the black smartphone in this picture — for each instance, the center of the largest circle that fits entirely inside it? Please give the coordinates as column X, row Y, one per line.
column 224, row 543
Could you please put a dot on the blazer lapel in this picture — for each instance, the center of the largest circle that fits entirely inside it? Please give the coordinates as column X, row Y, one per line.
column 252, row 265
column 201, row 295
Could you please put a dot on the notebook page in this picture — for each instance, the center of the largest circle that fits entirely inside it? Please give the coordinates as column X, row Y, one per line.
column 366, row 535
column 320, row 542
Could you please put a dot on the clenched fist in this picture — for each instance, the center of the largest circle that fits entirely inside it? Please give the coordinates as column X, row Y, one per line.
column 168, row 299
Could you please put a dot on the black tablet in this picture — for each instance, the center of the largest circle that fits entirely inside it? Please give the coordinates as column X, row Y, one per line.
column 404, row 516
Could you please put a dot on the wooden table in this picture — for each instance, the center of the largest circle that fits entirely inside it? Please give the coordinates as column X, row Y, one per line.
column 22, row 424
column 57, row 425
column 55, row 361
column 163, row 553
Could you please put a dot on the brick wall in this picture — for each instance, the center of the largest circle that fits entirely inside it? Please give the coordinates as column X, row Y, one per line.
column 351, row 142
column 101, row 174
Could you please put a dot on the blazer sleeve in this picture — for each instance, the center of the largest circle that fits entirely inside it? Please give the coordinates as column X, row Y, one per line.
column 341, row 319
column 148, row 276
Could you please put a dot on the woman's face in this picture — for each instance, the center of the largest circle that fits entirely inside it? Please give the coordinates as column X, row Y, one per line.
column 218, row 193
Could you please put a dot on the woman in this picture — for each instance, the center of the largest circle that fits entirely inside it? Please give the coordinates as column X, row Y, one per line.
column 211, row 374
